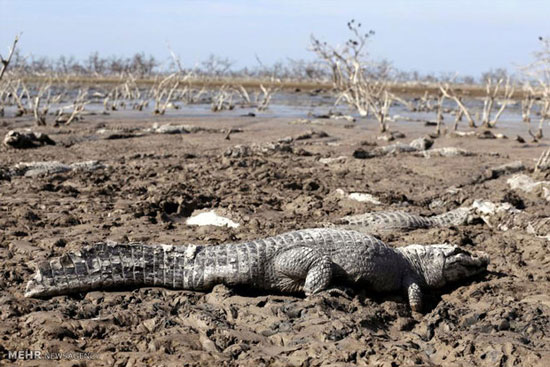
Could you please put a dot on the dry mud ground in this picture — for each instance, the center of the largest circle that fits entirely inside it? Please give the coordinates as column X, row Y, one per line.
column 152, row 183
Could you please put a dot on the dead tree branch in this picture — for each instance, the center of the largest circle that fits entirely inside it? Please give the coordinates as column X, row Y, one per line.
column 543, row 162
column 440, row 117
column 222, row 99
column 527, row 103
column 77, row 108
column 539, row 70
column 40, row 115
column 6, row 62
column 448, row 92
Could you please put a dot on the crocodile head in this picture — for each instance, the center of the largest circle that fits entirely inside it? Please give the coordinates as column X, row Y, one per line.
column 444, row 263
column 460, row 264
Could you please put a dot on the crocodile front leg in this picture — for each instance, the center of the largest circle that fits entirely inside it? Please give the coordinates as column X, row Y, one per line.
column 301, row 269
column 414, row 294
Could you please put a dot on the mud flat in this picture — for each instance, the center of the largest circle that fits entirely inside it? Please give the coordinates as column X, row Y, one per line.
column 149, row 185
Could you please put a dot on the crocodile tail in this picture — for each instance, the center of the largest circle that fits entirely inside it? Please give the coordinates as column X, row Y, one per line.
column 456, row 217
column 112, row 265
column 385, row 221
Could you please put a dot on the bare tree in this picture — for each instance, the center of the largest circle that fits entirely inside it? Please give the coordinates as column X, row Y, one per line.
column 77, row 107
column 264, row 98
column 492, row 92
column 459, row 116
column 216, row 66
column 410, row 106
column 163, row 92
column 222, row 99
column 543, row 162
column 360, row 83
column 40, row 114
column 176, row 60
column 544, row 111
column 424, row 103
column 539, row 70
column 450, row 93
column 6, row 62
column 494, row 74
column 96, row 65
column 527, row 102
column 260, row 100
column 18, row 90
column 439, row 118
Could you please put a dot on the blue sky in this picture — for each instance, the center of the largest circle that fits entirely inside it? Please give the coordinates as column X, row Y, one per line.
column 467, row 37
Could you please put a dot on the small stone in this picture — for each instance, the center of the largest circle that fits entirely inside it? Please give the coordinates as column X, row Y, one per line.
column 150, row 324
column 362, row 154
column 310, row 185
column 471, row 320
column 57, row 331
column 405, row 324
column 303, row 153
column 486, row 134
column 504, row 325
column 60, row 242
column 519, row 139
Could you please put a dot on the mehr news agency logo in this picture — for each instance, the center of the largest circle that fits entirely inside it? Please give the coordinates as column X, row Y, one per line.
column 53, row 356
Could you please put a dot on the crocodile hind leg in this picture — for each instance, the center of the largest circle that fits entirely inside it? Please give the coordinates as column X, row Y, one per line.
column 301, row 269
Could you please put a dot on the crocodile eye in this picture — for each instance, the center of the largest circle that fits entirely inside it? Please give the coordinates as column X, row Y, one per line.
column 450, row 251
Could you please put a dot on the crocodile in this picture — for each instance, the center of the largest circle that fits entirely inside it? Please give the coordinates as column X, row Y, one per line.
column 384, row 221
column 30, row 169
column 306, row 261
column 500, row 216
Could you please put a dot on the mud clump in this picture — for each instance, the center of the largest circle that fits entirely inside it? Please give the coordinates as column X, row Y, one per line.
column 26, row 139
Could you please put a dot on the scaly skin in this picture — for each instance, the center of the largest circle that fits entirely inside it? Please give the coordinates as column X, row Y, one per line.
column 390, row 221
column 308, row 261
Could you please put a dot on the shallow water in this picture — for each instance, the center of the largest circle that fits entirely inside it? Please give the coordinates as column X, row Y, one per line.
column 307, row 106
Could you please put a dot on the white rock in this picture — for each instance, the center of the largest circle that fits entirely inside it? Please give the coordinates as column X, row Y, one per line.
column 526, row 183
column 340, row 192
column 210, row 218
column 488, row 207
column 364, row 198
column 340, row 159
column 453, row 190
